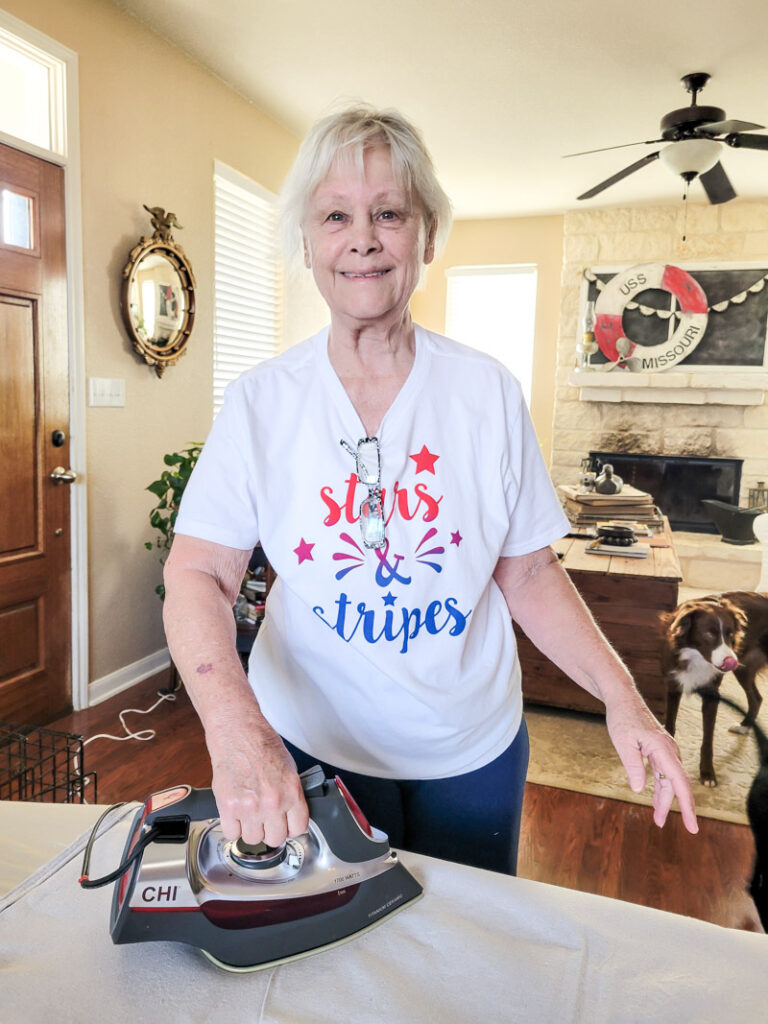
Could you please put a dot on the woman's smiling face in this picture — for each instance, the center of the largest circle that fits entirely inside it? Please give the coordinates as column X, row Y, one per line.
column 365, row 240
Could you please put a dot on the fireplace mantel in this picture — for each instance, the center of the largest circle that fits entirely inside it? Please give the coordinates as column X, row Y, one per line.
column 675, row 387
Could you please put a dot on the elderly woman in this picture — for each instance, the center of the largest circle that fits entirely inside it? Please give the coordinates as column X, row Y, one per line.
column 395, row 483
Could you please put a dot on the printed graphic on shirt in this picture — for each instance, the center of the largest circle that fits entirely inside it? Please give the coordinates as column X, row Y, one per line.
column 392, row 617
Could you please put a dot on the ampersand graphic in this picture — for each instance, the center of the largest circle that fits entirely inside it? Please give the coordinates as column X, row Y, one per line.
column 385, row 573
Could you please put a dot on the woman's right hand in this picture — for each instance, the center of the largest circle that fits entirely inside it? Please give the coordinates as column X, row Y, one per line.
column 258, row 791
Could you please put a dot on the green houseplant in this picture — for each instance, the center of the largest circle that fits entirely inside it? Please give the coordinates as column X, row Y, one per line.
column 168, row 489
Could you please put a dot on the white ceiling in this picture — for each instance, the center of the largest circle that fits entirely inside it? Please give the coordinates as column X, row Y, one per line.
column 500, row 88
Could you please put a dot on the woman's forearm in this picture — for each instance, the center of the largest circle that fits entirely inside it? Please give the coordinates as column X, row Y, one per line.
column 201, row 632
column 258, row 793
column 545, row 604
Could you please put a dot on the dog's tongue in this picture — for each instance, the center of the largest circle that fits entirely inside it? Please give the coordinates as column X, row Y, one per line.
column 730, row 664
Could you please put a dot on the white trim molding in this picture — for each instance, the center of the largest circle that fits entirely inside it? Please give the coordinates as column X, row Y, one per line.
column 706, row 386
column 66, row 135
column 127, row 676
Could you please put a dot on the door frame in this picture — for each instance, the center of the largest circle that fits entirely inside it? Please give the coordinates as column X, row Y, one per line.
column 68, row 157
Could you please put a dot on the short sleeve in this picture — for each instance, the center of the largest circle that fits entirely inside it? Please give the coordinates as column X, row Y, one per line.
column 536, row 517
column 220, row 500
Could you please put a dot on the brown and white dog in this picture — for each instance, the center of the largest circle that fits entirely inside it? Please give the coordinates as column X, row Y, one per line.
column 703, row 639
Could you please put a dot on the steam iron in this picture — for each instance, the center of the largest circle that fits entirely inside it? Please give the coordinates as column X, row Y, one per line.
column 251, row 907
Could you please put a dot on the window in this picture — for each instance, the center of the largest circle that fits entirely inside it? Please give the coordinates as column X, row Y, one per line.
column 247, row 278
column 32, row 93
column 16, row 219
column 494, row 309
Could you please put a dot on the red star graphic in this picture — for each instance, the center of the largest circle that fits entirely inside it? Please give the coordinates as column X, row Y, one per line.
column 425, row 460
column 304, row 551
column 456, row 538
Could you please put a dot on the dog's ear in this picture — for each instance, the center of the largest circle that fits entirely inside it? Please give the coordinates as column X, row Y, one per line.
column 679, row 623
column 741, row 619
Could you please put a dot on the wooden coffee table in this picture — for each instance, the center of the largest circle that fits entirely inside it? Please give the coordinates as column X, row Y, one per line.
column 625, row 596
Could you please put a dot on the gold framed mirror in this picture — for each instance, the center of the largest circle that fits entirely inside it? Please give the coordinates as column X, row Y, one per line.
column 158, row 294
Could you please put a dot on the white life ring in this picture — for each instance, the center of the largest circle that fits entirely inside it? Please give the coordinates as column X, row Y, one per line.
column 621, row 290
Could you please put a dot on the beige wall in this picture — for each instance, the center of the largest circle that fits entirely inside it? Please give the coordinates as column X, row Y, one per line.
column 536, row 240
column 151, row 125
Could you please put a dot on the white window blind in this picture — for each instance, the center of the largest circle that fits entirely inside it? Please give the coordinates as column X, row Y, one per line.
column 494, row 309
column 247, row 278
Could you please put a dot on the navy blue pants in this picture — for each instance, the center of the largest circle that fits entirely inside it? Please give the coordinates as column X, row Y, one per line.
column 472, row 818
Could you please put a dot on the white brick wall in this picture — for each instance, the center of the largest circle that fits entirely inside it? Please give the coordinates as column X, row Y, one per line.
column 734, row 231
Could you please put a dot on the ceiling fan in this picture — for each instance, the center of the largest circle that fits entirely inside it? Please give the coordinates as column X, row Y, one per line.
column 695, row 136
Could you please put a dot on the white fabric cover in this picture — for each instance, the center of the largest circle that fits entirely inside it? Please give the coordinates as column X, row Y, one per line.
column 478, row 946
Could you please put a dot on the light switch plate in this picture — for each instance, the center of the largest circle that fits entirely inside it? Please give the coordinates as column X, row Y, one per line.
column 106, row 391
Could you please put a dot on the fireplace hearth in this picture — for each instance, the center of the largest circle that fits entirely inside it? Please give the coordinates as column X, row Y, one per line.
column 679, row 484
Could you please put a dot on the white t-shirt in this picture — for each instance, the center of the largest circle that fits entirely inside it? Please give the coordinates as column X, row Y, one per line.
column 399, row 663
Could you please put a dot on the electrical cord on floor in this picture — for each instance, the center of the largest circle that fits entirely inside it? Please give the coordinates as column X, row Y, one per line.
column 142, row 735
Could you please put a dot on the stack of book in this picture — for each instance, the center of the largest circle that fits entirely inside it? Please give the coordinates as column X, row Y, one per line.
column 586, row 509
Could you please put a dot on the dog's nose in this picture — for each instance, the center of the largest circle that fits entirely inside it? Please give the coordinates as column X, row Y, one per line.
column 730, row 664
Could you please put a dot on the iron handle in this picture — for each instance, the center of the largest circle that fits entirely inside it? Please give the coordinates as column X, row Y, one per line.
column 63, row 476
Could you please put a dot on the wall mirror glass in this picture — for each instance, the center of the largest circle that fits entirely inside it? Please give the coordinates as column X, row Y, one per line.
column 158, row 295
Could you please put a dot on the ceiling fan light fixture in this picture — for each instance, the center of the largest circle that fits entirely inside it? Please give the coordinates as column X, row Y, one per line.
column 690, row 157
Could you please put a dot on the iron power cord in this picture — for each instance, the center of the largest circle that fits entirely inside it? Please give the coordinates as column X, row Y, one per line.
column 94, row 883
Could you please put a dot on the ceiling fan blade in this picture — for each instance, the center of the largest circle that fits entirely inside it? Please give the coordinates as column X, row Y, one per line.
column 717, row 185
column 621, row 174
column 605, row 149
column 747, row 141
column 724, row 127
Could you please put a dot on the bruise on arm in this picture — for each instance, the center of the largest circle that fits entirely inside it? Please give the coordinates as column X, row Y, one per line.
column 202, row 581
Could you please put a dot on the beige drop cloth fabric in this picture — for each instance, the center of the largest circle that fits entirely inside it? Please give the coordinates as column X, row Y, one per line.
column 478, row 946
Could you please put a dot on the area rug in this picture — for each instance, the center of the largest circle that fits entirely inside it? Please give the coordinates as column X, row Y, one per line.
column 570, row 750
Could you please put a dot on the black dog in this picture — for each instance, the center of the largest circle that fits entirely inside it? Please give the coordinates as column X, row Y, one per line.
column 757, row 812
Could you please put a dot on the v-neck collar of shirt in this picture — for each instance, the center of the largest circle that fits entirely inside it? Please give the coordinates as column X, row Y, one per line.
column 403, row 399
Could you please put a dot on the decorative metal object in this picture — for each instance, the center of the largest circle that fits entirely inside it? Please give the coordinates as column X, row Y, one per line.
column 758, row 496
column 158, row 294
column 608, row 482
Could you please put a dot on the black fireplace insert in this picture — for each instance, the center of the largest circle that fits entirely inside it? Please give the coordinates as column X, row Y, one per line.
column 678, row 483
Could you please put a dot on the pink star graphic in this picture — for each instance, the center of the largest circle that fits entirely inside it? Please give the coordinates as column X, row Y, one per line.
column 425, row 460
column 456, row 538
column 304, row 551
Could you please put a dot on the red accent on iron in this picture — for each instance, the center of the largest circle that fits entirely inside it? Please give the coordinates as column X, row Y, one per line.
column 233, row 914
column 351, row 803
column 166, row 797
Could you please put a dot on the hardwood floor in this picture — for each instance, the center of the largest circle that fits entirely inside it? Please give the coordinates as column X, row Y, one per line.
column 601, row 846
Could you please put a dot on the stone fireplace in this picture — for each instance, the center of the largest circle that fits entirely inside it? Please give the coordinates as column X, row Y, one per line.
column 688, row 412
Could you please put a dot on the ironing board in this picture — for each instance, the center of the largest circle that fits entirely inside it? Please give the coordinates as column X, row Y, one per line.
column 477, row 946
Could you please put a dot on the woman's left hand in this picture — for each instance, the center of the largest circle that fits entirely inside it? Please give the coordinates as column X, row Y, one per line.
column 638, row 738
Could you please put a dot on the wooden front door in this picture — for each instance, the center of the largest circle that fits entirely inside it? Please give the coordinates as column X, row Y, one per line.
column 35, row 570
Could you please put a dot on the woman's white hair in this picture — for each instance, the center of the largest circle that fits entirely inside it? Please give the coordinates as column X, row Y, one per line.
column 348, row 134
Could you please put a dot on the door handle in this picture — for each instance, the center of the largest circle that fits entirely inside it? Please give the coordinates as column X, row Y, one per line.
column 63, row 476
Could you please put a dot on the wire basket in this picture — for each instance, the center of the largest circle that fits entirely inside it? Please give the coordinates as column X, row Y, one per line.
column 43, row 765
